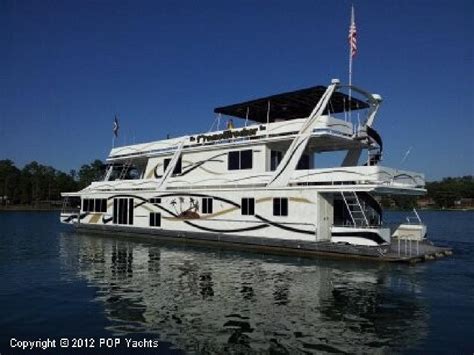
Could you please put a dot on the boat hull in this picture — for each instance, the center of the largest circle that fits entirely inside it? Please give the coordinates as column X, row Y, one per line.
column 284, row 246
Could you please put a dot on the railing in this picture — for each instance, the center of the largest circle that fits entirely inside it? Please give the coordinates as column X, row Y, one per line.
column 71, row 205
column 408, row 247
column 414, row 219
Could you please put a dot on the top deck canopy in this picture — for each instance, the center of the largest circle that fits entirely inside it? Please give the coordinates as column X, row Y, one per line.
column 290, row 105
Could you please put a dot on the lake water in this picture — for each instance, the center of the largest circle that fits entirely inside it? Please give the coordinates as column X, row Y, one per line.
column 56, row 283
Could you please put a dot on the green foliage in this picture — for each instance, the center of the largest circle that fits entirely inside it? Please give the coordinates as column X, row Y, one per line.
column 444, row 193
column 9, row 179
column 91, row 172
column 37, row 182
column 447, row 191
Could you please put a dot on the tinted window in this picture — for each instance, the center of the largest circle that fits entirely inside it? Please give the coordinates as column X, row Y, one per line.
column 177, row 168
column 246, row 159
column 233, row 160
column 155, row 219
column 248, row 207
column 207, row 205
column 280, row 207
column 275, row 159
column 240, row 160
column 303, row 164
column 103, row 205
column 115, row 213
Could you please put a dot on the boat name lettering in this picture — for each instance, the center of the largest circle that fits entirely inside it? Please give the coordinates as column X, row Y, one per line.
column 225, row 135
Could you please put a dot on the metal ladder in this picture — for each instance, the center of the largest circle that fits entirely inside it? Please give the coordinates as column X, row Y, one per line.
column 358, row 216
column 124, row 171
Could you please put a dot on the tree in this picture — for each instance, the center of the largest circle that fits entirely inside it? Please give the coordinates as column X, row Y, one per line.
column 9, row 175
column 91, row 172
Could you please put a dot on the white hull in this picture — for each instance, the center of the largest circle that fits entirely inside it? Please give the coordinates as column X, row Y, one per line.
column 258, row 181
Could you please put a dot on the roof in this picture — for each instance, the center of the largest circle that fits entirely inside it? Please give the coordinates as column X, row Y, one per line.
column 290, row 105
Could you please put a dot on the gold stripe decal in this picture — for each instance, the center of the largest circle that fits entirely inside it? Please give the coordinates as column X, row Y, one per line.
column 95, row 218
column 300, row 199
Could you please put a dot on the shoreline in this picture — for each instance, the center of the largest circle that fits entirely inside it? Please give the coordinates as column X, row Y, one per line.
column 26, row 208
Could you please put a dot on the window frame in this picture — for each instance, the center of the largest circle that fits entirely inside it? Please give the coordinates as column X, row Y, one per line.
column 178, row 167
column 235, row 159
column 207, row 205
column 154, row 219
column 276, row 157
column 304, row 163
column 155, row 200
column 247, row 206
column 280, row 206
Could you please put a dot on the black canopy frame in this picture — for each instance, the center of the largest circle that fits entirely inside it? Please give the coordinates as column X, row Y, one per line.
column 290, row 105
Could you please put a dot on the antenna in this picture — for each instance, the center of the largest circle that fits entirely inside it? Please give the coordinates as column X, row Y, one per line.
column 406, row 155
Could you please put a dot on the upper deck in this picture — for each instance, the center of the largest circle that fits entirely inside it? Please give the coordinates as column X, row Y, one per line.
column 338, row 134
column 278, row 146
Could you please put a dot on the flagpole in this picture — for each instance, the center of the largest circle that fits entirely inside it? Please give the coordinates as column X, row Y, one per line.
column 352, row 51
column 350, row 76
column 115, row 130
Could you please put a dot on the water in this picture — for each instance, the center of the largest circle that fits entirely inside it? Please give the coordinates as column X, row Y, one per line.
column 58, row 283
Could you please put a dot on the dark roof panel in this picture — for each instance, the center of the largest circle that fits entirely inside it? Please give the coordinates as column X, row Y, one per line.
column 290, row 105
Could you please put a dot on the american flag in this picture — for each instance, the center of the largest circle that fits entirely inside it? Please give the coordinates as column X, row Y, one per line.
column 116, row 126
column 353, row 35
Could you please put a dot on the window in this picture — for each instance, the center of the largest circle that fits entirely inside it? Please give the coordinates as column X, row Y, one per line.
column 207, row 205
column 248, row 207
column 123, row 211
column 94, row 205
column 246, row 159
column 155, row 200
column 233, row 161
column 275, row 159
column 97, row 205
column 303, row 164
column 241, row 159
column 177, row 168
column 155, row 219
column 280, row 206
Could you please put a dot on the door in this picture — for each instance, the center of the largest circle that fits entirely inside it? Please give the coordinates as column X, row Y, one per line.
column 324, row 219
column 123, row 211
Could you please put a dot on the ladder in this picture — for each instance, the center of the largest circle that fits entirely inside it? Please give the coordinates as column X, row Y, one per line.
column 125, row 168
column 356, row 212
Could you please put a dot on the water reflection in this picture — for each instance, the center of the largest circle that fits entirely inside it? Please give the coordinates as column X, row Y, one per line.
column 213, row 301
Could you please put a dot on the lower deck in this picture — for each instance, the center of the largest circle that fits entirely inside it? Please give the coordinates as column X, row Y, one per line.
column 298, row 214
column 403, row 251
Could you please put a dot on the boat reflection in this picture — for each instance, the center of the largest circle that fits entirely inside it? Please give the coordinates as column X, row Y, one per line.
column 219, row 301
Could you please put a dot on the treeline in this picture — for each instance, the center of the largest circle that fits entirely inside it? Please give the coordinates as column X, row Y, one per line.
column 450, row 192
column 37, row 183
column 446, row 192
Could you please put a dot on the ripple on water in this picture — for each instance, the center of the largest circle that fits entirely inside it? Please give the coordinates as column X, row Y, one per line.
column 207, row 300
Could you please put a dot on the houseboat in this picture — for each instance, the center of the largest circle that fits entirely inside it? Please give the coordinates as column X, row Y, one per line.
column 301, row 171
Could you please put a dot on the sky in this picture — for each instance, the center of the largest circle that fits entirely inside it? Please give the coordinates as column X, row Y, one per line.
column 67, row 67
